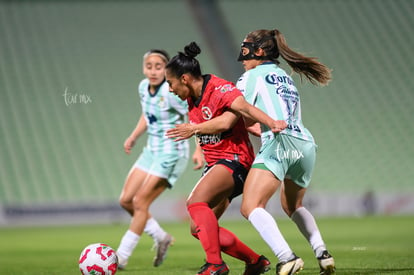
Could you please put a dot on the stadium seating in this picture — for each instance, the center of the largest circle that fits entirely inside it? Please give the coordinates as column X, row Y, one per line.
column 69, row 72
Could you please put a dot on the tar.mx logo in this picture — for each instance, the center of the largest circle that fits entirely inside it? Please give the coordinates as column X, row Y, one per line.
column 291, row 154
column 75, row 98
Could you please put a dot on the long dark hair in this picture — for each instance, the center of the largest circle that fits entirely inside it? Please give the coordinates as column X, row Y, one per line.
column 185, row 62
column 309, row 67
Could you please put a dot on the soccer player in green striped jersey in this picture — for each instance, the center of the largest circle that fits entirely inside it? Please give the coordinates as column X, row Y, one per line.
column 161, row 162
column 285, row 159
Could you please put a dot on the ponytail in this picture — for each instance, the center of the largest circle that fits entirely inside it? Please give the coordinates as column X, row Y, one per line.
column 309, row 67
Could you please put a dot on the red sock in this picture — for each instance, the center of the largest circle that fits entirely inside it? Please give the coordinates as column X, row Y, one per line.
column 231, row 245
column 207, row 230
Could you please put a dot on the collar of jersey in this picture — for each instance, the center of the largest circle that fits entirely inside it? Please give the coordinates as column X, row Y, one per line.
column 156, row 89
column 206, row 79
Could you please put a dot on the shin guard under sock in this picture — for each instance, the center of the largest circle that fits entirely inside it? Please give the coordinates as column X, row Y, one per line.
column 207, row 230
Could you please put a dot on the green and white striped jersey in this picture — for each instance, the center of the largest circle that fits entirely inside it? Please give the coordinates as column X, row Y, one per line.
column 162, row 110
column 270, row 89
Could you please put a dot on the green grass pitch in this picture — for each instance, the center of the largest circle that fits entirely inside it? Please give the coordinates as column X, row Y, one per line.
column 366, row 245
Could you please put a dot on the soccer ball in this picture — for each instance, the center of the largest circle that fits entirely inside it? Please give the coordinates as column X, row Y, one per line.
column 98, row 259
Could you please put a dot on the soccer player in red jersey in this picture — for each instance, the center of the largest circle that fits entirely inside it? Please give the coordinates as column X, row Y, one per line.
column 227, row 151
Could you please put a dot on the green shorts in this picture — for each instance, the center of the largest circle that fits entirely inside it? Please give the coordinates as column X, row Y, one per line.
column 288, row 157
column 167, row 166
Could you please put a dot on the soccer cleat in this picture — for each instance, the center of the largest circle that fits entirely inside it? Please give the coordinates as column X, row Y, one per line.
column 162, row 248
column 122, row 262
column 261, row 266
column 291, row 267
column 326, row 263
column 214, row 269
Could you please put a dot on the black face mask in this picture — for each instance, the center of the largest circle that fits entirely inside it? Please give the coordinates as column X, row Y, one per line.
column 248, row 48
column 247, row 51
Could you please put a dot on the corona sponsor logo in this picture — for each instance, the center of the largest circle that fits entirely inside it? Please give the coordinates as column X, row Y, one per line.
column 274, row 79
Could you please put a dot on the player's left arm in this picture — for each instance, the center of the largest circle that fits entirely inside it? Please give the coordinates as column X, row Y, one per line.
column 240, row 105
column 254, row 128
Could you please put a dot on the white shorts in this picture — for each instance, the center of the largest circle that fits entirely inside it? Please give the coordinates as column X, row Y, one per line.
column 288, row 157
column 167, row 166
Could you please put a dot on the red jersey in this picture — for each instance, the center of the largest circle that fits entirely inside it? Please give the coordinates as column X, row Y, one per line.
column 217, row 95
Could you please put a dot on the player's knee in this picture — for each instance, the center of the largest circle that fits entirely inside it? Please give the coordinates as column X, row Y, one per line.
column 124, row 203
column 243, row 210
column 139, row 204
column 246, row 209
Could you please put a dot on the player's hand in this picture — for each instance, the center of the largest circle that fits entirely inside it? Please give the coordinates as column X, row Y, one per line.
column 128, row 144
column 198, row 160
column 181, row 132
column 254, row 129
column 278, row 126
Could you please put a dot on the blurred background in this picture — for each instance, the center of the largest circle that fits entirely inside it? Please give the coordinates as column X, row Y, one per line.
column 69, row 72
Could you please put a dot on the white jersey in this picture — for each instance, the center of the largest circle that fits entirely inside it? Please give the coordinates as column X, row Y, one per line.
column 162, row 110
column 270, row 89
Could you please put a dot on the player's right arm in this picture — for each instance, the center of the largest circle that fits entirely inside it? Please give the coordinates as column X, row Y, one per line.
column 216, row 125
column 136, row 133
column 240, row 105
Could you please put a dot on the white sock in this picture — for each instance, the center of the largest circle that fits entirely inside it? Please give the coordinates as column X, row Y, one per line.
column 307, row 226
column 153, row 229
column 128, row 243
column 266, row 225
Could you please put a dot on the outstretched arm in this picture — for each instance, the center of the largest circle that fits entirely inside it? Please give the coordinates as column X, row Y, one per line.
column 213, row 126
column 247, row 110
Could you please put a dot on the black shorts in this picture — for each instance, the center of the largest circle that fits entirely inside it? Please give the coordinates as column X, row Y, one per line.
column 239, row 175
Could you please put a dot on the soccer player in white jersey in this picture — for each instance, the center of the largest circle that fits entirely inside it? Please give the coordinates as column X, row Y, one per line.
column 285, row 159
column 161, row 162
